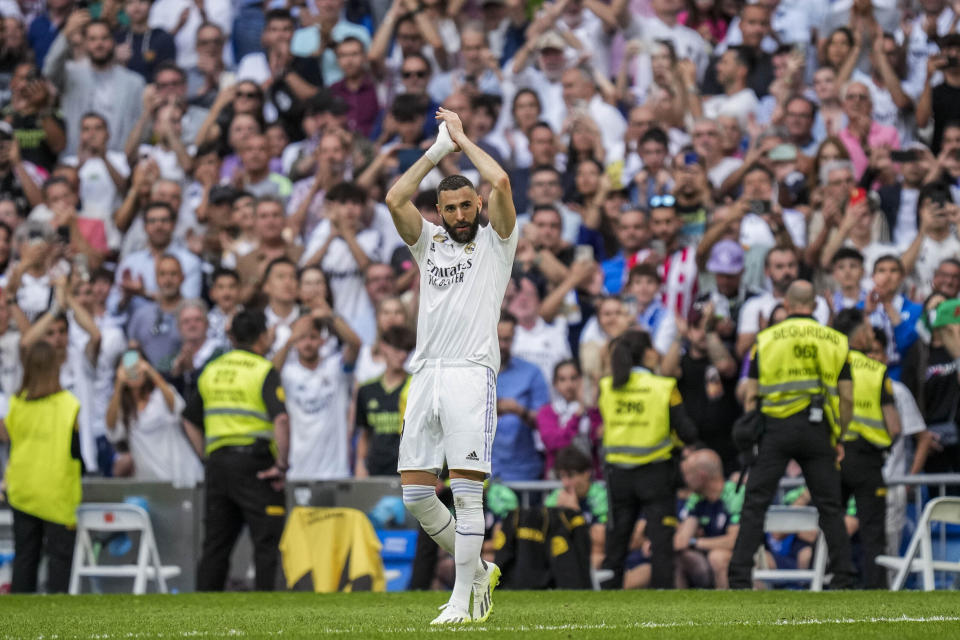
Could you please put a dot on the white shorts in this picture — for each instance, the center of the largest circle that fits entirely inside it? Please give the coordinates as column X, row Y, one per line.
column 451, row 415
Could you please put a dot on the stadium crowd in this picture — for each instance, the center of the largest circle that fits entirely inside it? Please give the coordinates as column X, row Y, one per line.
column 675, row 165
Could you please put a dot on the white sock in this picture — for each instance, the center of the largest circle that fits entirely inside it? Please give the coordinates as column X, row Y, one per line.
column 468, row 499
column 436, row 519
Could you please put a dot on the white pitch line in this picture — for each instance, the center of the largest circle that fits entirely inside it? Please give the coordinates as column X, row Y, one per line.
column 522, row 628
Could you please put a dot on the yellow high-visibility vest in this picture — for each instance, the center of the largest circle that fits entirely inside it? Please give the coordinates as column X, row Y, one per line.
column 636, row 418
column 42, row 478
column 868, row 381
column 798, row 359
column 234, row 413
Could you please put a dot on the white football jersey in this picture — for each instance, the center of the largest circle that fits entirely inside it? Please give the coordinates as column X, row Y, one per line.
column 461, row 290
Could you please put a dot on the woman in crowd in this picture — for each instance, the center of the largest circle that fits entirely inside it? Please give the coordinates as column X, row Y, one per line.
column 565, row 421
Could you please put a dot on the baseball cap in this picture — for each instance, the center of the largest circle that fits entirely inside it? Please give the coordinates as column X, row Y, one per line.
column 783, row 153
column 726, row 257
column 551, row 40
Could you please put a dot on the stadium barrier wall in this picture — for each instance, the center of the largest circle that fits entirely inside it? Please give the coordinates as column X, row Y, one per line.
column 177, row 516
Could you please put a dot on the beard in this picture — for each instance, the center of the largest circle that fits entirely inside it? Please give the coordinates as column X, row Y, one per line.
column 102, row 60
column 466, row 235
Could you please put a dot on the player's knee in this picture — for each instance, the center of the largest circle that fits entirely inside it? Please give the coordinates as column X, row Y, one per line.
column 417, row 497
column 468, row 500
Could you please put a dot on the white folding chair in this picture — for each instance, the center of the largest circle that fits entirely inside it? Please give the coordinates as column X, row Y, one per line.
column 781, row 519
column 945, row 509
column 118, row 517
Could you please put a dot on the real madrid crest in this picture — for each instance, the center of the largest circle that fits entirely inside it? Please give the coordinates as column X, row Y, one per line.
column 470, row 248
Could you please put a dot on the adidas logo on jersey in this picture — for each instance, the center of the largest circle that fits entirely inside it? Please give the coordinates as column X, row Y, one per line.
column 473, row 456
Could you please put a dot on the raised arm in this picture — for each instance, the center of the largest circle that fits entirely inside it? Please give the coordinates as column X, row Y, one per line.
column 503, row 215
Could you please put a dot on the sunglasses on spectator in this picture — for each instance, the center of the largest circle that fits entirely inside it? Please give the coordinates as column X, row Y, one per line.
column 248, row 94
column 662, row 201
column 415, row 74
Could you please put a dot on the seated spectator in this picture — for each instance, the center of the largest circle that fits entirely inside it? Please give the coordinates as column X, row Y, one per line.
column 709, row 522
column 566, row 422
column 371, row 362
column 580, row 492
column 521, row 392
column 379, row 420
column 144, row 412
column 268, row 226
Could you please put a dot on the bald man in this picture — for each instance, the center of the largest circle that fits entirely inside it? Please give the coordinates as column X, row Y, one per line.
column 797, row 369
column 710, row 521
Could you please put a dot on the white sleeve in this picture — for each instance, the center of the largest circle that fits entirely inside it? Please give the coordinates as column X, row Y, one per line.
column 749, row 320
column 911, row 420
column 419, row 248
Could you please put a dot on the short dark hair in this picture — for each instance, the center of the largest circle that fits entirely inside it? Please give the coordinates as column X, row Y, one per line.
column 655, row 134
column 545, row 207
column 881, row 336
column 950, row 261
column 453, row 183
column 644, row 270
column 487, row 102
column 157, row 204
column 400, row 337
column 407, row 107
column 54, row 181
column 207, row 148
column 540, row 168
column 97, row 115
column 224, row 272
column 247, row 327
column 744, row 56
column 102, row 274
column 170, row 65
column 421, row 57
column 347, row 192
column 756, row 166
column 347, row 39
column 848, row 320
column 933, row 191
column 278, row 14
column 572, row 460
column 275, row 263
column 889, row 257
column 846, row 253
column 566, row 362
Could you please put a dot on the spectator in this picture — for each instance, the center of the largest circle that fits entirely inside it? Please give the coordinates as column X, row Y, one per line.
column 208, row 76
column 136, row 274
column 47, row 25
column 225, row 295
column 938, row 102
column 535, row 341
column 642, row 293
column 318, row 394
column 846, row 268
column 566, row 422
column 371, row 362
column 139, row 47
column 581, row 493
column 97, row 83
column 521, row 392
column 946, row 279
column 888, row 309
column 39, row 129
column 356, row 88
column 863, row 133
column 633, row 236
column 379, row 420
column 196, row 348
column 145, row 412
column 279, row 285
column 153, row 325
column 268, row 226
column 706, row 376
column 935, row 241
column 19, row 180
column 737, row 98
column 709, row 522
column 679, row 267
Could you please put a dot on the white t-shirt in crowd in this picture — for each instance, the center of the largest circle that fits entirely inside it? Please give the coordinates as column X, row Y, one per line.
column 77, row 377
column 756, row 311
column 545, row 344
column 722, row 170
column 159, row 446
column 911, row 423
column 461, row 290
column 755, row 232
column 98, row 193
column 739, row 105
column 932, row 253
column 318, row 401
column 34, row 295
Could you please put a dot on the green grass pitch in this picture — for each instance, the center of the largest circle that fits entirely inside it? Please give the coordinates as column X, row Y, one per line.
column 527, row 615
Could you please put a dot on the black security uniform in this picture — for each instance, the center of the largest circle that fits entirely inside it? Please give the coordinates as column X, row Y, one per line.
column 642, row 421
column 797, row 363
column 239, row 396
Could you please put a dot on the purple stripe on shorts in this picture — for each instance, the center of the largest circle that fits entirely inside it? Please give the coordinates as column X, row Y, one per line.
column 489, row 418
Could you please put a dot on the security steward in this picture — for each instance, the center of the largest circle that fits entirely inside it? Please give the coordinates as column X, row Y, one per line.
column 874, row 425
column 796, row 368
column 642, row 415
column 238, row 419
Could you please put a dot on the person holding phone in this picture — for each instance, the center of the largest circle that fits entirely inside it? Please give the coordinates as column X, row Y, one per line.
column 144, row 412
column 935, row 240
column 940, row 102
